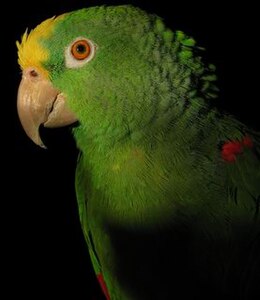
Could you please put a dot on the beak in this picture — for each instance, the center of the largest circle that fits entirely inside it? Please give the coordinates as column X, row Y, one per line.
column 38, row 102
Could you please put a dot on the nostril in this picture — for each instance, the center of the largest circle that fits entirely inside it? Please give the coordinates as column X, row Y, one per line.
column 33, row 73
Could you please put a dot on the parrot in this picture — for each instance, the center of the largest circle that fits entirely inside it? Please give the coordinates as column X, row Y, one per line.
column 167, row 184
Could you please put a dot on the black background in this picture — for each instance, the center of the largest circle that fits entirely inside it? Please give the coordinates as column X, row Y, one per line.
column 46, row 255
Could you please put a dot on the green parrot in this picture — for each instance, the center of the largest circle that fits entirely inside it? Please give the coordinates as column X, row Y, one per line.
column 168, row 187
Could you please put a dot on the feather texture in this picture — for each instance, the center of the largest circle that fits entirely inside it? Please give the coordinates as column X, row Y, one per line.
column 168, row 188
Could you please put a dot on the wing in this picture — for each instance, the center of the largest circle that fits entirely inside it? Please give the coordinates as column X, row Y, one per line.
column 244, row 176
column 80, row 183
column 244, row 185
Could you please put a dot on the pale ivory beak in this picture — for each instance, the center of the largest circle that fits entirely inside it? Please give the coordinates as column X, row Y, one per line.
column 38, row 102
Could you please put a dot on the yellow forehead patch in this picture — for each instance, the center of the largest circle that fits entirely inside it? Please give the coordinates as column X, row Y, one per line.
column 31, row 53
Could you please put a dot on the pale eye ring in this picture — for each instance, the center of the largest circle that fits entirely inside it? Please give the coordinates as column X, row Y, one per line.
column 79, row 52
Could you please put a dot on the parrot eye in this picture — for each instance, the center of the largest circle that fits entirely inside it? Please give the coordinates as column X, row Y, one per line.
column 79, row 52
column 80, row 49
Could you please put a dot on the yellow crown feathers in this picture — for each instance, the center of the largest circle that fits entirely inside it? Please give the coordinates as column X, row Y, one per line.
column 31, row 53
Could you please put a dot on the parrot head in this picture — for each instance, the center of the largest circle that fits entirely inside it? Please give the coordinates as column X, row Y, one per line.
column 115, row 70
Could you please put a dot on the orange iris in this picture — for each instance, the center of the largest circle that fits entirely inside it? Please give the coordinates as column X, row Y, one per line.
column 80, row 50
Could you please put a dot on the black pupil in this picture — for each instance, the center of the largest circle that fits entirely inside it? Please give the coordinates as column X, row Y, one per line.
column 81, row 48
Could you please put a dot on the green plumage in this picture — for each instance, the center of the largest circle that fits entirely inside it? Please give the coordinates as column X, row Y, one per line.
column 164, row 215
